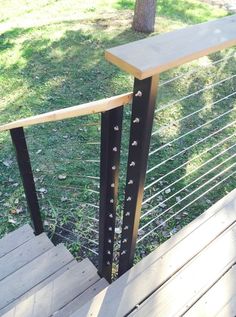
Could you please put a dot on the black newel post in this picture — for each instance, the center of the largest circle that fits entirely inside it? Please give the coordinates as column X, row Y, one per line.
column 111, row 128
column 23, row 160
column 145, row 92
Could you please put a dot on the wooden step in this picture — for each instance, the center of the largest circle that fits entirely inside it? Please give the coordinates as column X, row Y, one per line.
column 82, row 299
column 14, row 239
column 37, row 287
column 24, row 254
column 59, row 292
column 39, row 279
column 22, row 280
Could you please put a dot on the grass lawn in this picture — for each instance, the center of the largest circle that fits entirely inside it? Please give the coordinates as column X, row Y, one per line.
column 52, row 56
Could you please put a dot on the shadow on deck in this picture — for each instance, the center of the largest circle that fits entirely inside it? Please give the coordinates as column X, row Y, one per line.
column 191, row 274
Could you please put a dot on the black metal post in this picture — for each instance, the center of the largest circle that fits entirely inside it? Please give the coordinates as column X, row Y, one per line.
column 145, row 92
column 111, row 129
column 23, row 160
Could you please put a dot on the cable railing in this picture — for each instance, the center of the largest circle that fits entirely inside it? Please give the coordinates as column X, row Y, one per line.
column 71, row 185
column 195, row 70
column 186, row 163
column 188, row 205
column 193, row 182
column 188, row 195
column 173, row 192
column 186, row 134
column 192, row 114
column 171, row 104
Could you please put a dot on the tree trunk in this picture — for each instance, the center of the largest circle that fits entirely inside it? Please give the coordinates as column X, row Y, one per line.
column 144, row 16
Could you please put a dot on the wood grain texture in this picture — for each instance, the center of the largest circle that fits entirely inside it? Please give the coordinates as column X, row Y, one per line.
column 220, row 298
column 190, row 283
column 82, row 299
column 37, row 287
column 230, row 307
column 19, row 282
column 14, row 239
column 154, row 270
column 24, row 254
column 71, row 112
column 58, row 292
column 145, row 58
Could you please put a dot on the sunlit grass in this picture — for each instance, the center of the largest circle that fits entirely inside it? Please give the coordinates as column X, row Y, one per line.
column 52, row 56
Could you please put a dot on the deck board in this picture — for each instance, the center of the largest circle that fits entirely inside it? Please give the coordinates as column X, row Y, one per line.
column 37, row 287
column 218, row 300
column 193, row 280
column 147, row 276
column 33, row 273
column 184, row 276
column 229, row 310
column 80, row 300
column 14, row 239
column 24, row 254
column 58, row 292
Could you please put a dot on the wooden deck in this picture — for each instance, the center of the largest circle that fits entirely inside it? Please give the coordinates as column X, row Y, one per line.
column 38, row 279
column 192, row 274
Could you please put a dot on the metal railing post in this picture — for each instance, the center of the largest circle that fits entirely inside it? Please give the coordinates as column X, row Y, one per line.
column 23, row 160
column 111, row 129
column 145, row 92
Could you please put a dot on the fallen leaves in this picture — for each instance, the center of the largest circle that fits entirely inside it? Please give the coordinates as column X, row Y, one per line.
column 7, row 162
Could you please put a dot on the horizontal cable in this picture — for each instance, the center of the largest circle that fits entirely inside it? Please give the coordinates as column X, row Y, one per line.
column 195, row 70
column 71, row 241
column 76, row 188
column 93, row 230
column 191, row 114
column 59, row 140
column 153, row 183
column 190, row 194
column 182, row 209
column 94, row 219
column 192, row 159
column 89, row 177
column 81, row 234
column 191, row 131
column 92, row 161
column 88, row 228
column 193, row 182
column 161, row 108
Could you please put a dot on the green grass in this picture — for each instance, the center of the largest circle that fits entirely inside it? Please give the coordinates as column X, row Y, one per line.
column 52, row 56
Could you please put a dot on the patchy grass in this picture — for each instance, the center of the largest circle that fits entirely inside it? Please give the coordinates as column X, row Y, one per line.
column 52, row 56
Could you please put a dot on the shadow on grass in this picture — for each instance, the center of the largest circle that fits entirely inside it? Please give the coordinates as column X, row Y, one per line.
column 186, row 11
column 69, row 71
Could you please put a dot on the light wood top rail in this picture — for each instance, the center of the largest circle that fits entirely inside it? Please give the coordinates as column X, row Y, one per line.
column 145, row 58
column 71, row 112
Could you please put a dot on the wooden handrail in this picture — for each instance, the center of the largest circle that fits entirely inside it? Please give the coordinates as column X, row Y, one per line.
column 145, row 58
column 71, row 112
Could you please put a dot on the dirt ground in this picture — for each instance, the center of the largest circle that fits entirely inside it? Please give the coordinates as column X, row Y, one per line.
column 229, row 5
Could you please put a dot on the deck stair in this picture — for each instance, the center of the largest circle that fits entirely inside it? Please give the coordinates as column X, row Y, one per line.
column 40, row 279
column 191, row 274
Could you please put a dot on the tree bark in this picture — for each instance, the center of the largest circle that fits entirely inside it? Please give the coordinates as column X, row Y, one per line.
column 144, row 16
